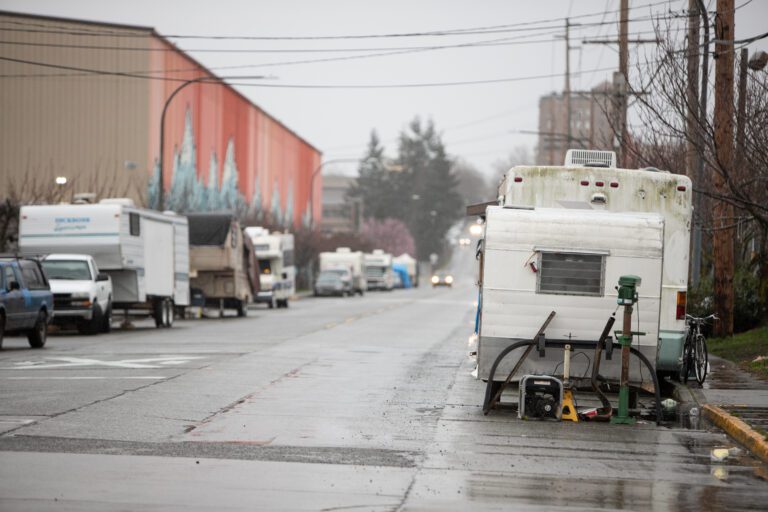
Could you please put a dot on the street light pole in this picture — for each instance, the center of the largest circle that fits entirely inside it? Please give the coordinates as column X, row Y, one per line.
column 200, row 79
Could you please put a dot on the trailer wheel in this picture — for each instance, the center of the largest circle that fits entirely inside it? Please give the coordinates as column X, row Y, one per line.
column 271, row 304
column 168, row 313
column 158, row 307
column 242, row 309
column 39, row 333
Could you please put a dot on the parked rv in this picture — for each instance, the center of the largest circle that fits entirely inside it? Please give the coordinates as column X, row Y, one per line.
column 378, row 270
column 144, row 252
column 26, row 301
column 82, row 294
column 274, row 252
column 559, row 240
column 352, row 261
column 411, row 266
column 223, row 266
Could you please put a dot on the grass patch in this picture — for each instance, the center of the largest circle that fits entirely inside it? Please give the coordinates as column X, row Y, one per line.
column 743, row 349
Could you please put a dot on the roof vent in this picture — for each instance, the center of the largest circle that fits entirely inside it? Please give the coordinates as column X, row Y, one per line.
column 590, row 158
column 122, row 201
column 84, row 198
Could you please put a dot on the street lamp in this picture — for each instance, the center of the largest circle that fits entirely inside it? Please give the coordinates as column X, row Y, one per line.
column 201, row 79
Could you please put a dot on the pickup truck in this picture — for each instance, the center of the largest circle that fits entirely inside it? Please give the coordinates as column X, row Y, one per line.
column 26, row 302
column 82, row 295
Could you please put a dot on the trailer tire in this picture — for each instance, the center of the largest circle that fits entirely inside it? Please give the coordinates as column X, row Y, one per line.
column 38, row 335
column 271, row 304
column 168, row 313
column 158, row 306
column 242, row 309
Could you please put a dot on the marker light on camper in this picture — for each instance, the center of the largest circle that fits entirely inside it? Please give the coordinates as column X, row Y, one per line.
column 600, row 183
column 682, row 299
column 584, row 183
column 518, row 179
column 614, row 184
column 681, row 188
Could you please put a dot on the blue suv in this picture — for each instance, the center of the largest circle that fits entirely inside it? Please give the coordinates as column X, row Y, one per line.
column 26, row 301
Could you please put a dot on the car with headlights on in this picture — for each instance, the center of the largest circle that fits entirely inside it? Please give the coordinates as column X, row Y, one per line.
column 442, row 279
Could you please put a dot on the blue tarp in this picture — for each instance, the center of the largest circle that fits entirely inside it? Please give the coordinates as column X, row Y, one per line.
column 404, row 277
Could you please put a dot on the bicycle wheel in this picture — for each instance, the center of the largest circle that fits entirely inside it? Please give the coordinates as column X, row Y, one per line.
column 685, row 368
column 702, row 358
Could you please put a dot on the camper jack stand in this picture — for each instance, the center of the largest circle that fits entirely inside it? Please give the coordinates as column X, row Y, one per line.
column 627, row 298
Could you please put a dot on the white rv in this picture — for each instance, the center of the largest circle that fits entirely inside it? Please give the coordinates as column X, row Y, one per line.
column 144, row 252
column 560, row 238
column 378, row 270
column 344, row 258
column 275, row 254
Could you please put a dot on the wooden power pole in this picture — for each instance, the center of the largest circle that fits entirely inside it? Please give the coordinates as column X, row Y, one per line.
column 722, row 238
column 568, row 82
column 693, row 124
column 624, row 71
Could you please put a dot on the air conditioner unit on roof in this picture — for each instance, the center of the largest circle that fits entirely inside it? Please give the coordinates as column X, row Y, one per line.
column 589, row 157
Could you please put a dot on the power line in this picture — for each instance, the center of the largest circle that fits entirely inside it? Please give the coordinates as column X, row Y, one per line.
column 514, row 27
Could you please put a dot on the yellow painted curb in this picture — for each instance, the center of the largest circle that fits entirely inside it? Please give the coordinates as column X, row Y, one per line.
column 737, row 429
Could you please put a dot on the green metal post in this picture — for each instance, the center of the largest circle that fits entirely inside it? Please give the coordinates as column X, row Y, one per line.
column 627, row 298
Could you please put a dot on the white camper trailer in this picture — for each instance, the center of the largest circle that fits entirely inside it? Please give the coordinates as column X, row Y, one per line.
column 378, row 270
column 145, row 253
column 274, row 252
column 559, row 240
column 344, row 258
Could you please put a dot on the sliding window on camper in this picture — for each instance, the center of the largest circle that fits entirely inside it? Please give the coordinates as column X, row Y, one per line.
column 571, row 273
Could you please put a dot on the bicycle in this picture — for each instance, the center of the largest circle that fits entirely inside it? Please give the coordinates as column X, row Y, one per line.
column 695, row 349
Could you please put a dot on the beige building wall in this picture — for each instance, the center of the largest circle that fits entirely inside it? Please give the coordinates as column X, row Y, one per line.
column 61, row 120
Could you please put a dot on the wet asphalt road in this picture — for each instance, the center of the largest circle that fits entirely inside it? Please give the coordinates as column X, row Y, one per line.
column 359, row 404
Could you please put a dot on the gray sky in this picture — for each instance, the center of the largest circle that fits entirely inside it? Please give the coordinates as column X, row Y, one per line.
column 480, row 122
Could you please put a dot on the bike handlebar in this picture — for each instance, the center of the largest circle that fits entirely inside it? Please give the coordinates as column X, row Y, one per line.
column 701, row 319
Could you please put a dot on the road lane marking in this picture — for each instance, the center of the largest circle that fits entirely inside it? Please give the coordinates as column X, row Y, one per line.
column 71, row 362
column 127, row 377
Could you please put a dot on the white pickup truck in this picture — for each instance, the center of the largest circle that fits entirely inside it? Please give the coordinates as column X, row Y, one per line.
column 82, row 296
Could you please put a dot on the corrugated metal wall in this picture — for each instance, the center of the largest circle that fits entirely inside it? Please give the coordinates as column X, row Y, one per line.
column 87, row 127
column 66, row 122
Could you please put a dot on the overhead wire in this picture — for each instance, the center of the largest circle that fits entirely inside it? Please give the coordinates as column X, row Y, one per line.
column 521, row 26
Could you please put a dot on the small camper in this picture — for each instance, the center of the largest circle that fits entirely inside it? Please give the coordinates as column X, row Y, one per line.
column 223, row 265
column 275, row 255
column 144, row 252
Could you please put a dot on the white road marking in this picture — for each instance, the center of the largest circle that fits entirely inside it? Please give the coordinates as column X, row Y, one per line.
column 71, row 362
column 127, row 377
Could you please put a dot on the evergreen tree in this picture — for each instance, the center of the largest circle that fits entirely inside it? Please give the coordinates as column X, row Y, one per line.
column 153, row 188
column 230, row 195
column 212, row 192
column 374, row 184
column 184, row 170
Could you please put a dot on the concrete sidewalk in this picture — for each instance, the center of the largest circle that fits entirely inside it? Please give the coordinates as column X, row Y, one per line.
column 737, row 402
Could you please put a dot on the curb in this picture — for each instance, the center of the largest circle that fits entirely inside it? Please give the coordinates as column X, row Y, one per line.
column 737, row 429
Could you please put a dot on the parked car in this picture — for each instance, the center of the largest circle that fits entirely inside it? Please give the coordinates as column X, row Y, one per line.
column 26, row 301
column 442, row 279
column 334, row 282
column 82, row 295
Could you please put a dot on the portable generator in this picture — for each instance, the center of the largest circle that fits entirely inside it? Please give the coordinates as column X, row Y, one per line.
column 541, row 397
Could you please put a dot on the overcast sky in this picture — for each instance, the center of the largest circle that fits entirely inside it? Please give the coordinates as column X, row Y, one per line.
column 479, row 122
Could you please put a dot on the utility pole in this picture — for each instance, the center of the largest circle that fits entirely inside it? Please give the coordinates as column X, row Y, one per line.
column 693, row 123
column 722, row 244
column 568, row 81
column 624, row 71
column 699, row 211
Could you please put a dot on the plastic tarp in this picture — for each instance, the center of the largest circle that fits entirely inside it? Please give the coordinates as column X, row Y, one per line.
column 209, row 228
column 403, row 272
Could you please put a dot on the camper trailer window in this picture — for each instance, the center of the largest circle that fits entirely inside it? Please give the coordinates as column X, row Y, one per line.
column 135, row 222
column 265, row 266
column 571, row 274
column 288, row 258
